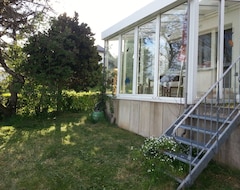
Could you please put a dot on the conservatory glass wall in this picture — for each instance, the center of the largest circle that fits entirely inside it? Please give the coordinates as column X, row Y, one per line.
column 207, row 45
column 152, row 56
column 111, row 57
column 146, row 57
column 127, row 62
column 212, row 60
column 231, row 49
column 172, row 51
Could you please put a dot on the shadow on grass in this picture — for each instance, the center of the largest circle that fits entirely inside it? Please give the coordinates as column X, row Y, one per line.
column 67, row 151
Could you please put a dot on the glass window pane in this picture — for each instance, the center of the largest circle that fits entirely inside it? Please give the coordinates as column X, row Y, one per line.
column 227, row 60
column 112, row 65
column 146, row 57
column 207, row 45
column 231, row 44
column 173, row 42
column 204, row 50
column 127, row 63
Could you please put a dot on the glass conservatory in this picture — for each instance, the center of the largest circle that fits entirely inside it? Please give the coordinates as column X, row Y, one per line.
column 169, row 56
column 173, row 51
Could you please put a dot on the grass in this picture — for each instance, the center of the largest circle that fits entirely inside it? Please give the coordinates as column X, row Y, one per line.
column 68, row 152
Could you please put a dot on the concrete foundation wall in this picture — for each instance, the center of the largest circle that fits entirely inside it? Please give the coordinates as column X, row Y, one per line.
column 145, row 118
column 153, row 118
column 229, row 152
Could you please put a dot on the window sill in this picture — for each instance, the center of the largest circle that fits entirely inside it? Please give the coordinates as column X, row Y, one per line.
column 205, row 68
column 150, row 98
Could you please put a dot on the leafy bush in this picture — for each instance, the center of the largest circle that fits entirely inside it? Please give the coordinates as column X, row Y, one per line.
column 82, row 101
column 4, row 97
column 71, row 101
column 35, row 99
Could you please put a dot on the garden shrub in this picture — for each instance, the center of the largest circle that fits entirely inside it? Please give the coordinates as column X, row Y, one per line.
column 79, row 101
column 35, row 100
column 71, row 101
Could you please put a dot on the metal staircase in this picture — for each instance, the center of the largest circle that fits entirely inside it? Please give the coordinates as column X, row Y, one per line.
column 206, row 125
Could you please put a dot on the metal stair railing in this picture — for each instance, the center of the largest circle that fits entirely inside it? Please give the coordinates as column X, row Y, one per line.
column 205, row 100
column 205, row 125
column 204, row 155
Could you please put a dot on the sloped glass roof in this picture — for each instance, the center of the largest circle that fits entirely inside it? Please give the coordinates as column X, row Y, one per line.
column 208, row 7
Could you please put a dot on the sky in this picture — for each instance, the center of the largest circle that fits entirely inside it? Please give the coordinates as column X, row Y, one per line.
column 99, row 14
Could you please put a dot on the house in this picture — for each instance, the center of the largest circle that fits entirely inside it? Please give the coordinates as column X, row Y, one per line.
column 100, row 51
column 174, row 59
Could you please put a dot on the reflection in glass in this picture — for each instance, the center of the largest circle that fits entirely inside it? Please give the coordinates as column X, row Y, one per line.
column 126, row 84
column 172, row 58
column 146, row 58
column 112, row 65
column 207, row 45
column 227, row 58
column 204, row 50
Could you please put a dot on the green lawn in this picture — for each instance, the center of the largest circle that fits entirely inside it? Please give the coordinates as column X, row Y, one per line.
column 68, row 152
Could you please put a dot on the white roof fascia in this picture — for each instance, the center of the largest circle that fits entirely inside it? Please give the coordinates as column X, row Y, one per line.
column 151, row 9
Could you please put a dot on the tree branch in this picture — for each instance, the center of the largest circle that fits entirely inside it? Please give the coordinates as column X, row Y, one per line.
column 15, row 75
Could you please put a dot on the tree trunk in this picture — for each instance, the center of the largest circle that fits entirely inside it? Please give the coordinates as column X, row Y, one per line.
column 17, row 82
column 10, row 108
column 59, row 98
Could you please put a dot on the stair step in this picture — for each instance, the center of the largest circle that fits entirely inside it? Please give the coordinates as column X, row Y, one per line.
column 197, row 129
column 209, row 118
column 179, row 180
column 183, row 158
column 191, row 142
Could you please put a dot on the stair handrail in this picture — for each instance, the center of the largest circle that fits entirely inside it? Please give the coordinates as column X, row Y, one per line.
column 204, row 96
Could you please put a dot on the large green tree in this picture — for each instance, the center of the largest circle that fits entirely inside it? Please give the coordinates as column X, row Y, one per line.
column 63, row 57
column 18, row 18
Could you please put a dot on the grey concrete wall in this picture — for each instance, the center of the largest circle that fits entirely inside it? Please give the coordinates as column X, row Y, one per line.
column 153, row 118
